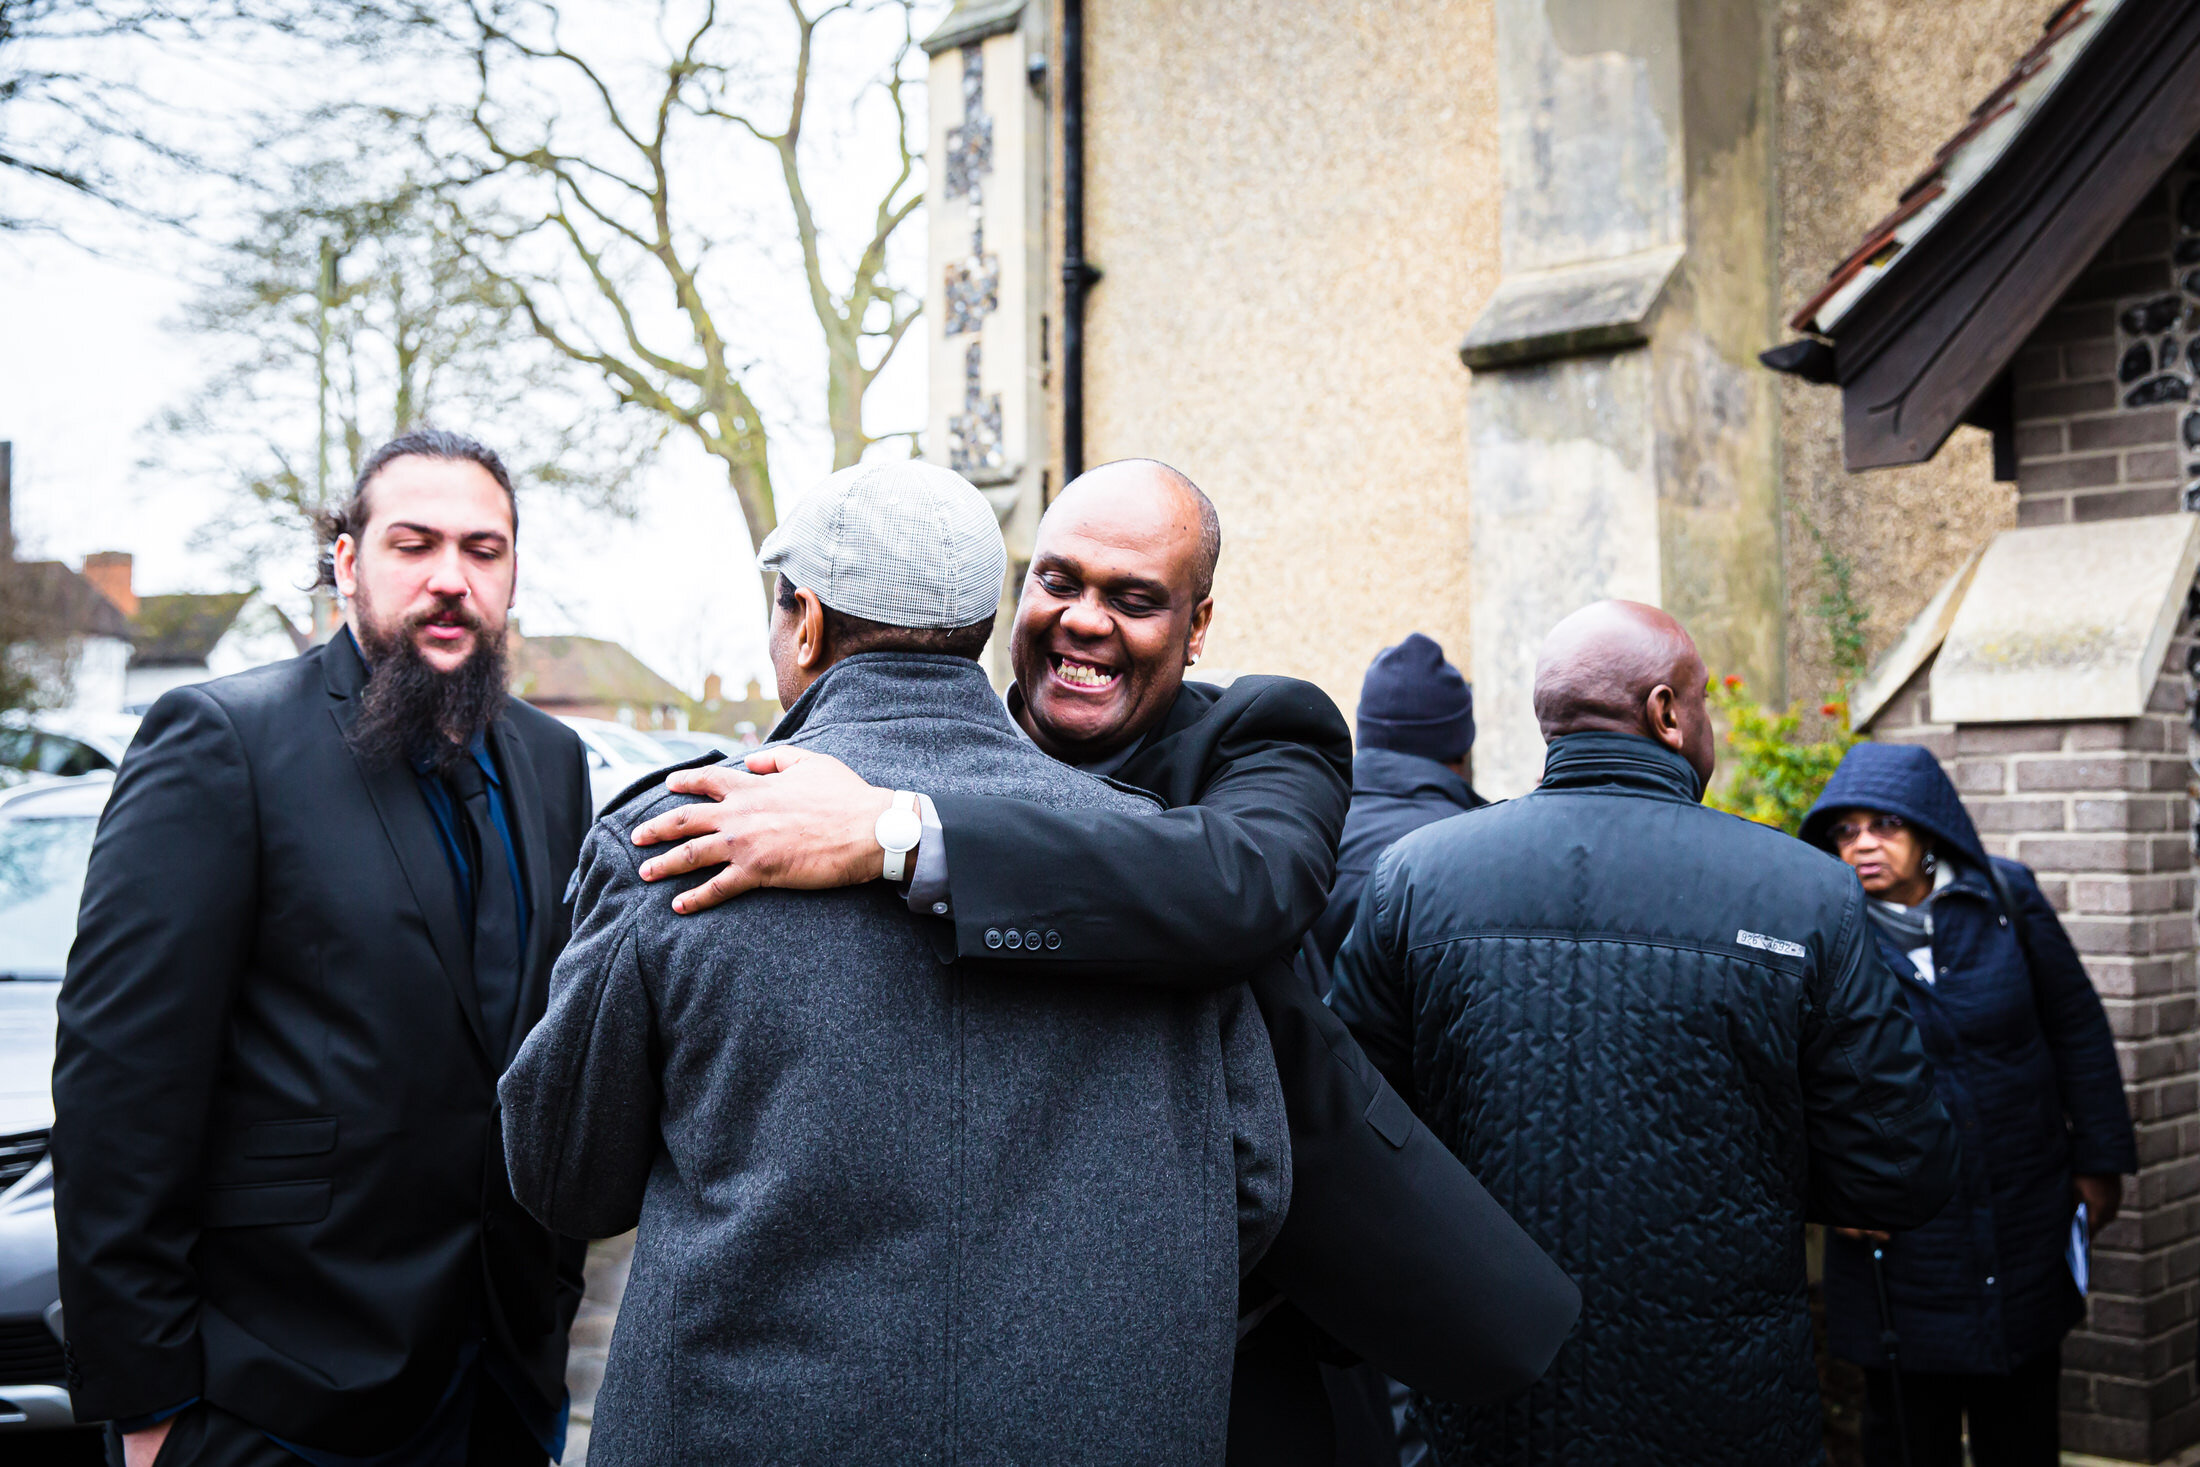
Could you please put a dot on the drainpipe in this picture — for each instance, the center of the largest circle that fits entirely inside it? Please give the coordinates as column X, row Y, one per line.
column 1078, row 274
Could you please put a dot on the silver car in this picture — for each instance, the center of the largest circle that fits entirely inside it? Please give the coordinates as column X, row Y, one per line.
column 45, row 842
column 41, row 745
column 617, row 756
column 685, row 744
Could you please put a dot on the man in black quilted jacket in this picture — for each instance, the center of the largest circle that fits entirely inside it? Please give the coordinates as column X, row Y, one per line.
column 1663, row 1039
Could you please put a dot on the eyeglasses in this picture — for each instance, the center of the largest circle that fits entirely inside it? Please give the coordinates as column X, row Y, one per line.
column 1880, row 825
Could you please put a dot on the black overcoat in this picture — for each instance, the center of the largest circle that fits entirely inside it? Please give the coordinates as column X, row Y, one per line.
column 279, row 1179
column 2022, row 1053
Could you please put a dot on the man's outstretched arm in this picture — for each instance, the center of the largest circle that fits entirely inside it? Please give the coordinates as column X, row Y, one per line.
column 1196, row 895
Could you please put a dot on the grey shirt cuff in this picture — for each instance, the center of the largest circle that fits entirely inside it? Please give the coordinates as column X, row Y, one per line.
column 927, row 894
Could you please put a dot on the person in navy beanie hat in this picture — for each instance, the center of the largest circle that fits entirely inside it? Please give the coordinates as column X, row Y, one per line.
column 1415, row 739
column 1414, row 702
column 1413, row 766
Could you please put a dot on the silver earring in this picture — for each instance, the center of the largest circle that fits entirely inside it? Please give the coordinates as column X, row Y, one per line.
column 1932, row 863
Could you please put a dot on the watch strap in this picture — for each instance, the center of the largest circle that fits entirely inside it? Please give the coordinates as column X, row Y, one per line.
column 897, row 862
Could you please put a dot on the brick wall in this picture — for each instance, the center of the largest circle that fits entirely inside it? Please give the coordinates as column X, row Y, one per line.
column 2102, row 813
column 2101, row 408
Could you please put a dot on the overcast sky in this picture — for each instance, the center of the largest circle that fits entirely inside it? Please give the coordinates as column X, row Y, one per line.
column 93, row 354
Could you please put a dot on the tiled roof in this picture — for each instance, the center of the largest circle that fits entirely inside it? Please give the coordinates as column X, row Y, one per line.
column 57, row 602
column 557, row 671
column 727, row 718
column 180, row 631
column 1961, row 161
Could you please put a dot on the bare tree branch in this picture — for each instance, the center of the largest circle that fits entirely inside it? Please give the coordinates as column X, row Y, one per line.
column 339, row 316
column 531, row 209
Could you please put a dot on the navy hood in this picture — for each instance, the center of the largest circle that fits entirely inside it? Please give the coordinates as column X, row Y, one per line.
column 1901, row 779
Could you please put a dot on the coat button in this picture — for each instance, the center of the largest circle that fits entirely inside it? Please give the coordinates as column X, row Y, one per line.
column 1989, row 1281
column 1054, row 940
column 993, row 937
column 939, row 909
column 1031, row 939
column 1015, row 938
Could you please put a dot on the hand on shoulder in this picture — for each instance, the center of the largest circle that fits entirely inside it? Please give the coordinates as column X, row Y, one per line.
column 790, row 818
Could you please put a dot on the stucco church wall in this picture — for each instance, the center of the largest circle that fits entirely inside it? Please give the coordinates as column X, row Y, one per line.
column 1869, row 88
column 1296, row 221
column 1297, row 214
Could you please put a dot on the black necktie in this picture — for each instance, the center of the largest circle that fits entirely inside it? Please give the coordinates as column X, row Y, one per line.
column 496, row 911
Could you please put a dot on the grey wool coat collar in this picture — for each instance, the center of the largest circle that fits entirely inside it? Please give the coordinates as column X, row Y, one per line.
column 894, row 1210
column 874, row 687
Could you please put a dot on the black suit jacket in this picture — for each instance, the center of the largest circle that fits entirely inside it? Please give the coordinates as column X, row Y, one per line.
column 279, row 1180
column 1390, row 1245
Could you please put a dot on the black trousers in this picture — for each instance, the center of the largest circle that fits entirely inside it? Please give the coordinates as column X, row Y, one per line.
column 207, row 1436
column 1291, row 1406
column 1279, row 1411
column 2015, row 1419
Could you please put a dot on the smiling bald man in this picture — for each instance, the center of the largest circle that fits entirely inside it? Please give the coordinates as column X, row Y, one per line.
column 1389, row 1245
column 1094, row 671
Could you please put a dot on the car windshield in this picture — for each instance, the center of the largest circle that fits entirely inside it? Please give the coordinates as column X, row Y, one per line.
column 41, row 752
column 686, row 746
column 632, row 748
column 41, row 878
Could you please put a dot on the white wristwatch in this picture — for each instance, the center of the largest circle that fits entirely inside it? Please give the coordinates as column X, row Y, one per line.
column 898, row 830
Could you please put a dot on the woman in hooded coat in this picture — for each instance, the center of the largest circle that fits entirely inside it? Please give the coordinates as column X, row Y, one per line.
column 1980, row 1297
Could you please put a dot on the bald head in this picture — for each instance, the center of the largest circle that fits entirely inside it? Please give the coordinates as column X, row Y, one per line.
column 1114, row 608
column 1623, row 667
column 1132, row 489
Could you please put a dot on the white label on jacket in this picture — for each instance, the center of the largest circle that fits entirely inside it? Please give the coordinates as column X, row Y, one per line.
column 1778, row 945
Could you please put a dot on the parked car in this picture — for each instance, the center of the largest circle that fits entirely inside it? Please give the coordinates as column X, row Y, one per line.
column 45, row 843
column 617, row 756
column 686, row 743
column 62, row 744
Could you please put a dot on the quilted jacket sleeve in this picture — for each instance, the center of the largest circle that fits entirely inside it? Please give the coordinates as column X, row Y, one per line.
column 1882, row 1148
column 1368, row 987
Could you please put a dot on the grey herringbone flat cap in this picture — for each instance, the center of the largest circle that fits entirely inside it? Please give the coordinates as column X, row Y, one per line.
column 903, row 542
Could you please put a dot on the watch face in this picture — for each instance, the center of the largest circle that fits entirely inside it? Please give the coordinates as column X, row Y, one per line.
column 899, row 830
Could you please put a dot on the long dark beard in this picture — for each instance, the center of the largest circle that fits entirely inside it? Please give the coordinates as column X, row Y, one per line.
column 411, row 713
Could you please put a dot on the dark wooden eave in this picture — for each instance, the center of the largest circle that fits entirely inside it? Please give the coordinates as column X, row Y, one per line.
column 1919, row 352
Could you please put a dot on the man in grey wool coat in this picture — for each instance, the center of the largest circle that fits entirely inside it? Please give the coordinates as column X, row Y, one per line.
column 892, row 1208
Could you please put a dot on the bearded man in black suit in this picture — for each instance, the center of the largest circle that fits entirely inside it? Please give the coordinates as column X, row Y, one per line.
column 1390, row 1245
column 320, row 916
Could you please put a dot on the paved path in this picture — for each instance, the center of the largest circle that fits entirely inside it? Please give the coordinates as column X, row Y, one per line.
column 607, row 1265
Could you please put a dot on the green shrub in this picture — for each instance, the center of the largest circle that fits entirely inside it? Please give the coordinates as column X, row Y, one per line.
column 1770, row 772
